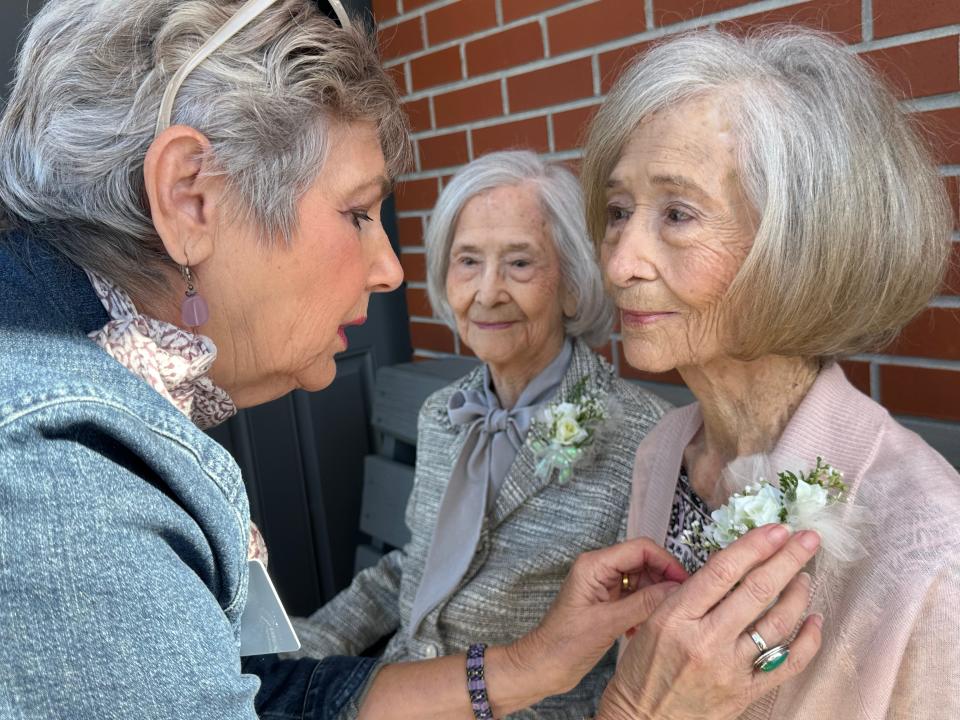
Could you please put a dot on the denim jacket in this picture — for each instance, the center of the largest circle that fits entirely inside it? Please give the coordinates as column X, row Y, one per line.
column 123, row 534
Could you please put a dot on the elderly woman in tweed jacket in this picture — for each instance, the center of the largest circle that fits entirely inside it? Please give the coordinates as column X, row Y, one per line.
column 510, row 267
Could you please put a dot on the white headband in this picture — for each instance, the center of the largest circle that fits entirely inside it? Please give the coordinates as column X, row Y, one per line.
column 243, row 17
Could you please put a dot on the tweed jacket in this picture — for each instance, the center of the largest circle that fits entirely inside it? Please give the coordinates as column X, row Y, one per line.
column 891, row 634
column 528, row 542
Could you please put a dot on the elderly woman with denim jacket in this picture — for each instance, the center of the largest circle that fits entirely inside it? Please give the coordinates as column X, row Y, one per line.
column 494, row 529
column 191, row 193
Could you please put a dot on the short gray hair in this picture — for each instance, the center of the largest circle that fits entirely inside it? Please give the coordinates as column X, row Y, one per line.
column 82, row 114
column 854, row 229
column 562, row 204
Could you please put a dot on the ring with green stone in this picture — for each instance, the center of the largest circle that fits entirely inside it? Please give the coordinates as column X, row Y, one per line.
column 772, row 659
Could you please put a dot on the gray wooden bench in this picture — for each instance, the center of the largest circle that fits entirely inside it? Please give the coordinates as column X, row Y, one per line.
column 399, row 393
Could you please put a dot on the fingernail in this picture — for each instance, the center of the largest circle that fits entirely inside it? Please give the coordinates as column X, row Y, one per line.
column 809, row 539
column 805, row 577
column 817, row 619
column 778, row 534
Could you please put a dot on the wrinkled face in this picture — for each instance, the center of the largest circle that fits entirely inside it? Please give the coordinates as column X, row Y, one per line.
column 294, row 301
column 504, row 281
column 678, row 230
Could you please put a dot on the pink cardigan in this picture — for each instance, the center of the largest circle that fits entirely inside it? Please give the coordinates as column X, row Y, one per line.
column 891, row 629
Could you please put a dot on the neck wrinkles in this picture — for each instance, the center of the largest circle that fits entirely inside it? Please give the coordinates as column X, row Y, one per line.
column 746, row 407
column 510, row 380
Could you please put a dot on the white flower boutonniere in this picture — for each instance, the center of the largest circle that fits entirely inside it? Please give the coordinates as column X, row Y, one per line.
column 564, row 433
column 801, row 501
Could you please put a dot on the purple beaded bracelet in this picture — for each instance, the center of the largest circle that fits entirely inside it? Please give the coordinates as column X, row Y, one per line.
column 476, row 684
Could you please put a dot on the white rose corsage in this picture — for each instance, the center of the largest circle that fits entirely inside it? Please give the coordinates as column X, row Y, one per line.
column 801, row 501
column 563, row 434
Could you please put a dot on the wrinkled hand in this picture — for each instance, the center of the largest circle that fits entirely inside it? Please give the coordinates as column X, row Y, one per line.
column 693, row 659
column 591, row 610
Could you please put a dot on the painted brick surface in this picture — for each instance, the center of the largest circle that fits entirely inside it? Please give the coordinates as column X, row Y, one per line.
column 482, row 75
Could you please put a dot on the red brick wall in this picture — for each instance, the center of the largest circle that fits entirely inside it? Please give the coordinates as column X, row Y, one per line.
column 482, row 75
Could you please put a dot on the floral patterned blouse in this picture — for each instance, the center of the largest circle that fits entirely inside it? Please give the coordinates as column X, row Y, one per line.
column 687, row 507
column 172, row 361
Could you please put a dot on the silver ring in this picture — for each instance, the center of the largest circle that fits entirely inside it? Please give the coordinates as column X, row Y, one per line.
column 772, row 659
column 758, row 641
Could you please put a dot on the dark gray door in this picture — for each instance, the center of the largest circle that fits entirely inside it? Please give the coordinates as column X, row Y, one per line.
column 13, row 18
column 301, row 455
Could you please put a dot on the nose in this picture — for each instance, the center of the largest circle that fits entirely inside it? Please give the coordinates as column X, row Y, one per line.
column 631, row 257
column 490, row 288
column 385, row 272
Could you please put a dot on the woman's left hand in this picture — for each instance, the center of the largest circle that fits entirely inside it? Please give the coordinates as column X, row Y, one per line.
column 694, row 657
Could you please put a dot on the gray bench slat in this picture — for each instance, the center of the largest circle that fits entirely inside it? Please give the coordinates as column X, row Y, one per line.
column 386, row 487
column 402, row 389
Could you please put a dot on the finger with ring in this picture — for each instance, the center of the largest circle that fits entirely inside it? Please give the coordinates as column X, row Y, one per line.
column 777, row 624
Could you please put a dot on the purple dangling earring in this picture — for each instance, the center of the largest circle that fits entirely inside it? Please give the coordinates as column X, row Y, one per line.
column 194, row 311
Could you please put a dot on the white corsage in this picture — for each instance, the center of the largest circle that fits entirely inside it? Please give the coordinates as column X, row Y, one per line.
column 563, row 434
column 801, row 501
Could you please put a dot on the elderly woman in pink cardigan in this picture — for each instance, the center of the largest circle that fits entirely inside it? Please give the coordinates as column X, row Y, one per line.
column 762, row 208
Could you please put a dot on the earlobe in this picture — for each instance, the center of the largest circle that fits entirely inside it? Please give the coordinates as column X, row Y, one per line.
column 183, row 203
column 569, row 305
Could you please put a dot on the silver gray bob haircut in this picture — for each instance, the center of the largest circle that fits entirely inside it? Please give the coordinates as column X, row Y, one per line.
column 562, row 204
column 854, row 224
column 83, row 110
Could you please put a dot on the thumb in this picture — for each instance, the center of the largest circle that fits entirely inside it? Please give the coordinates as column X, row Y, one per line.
column 637, row 607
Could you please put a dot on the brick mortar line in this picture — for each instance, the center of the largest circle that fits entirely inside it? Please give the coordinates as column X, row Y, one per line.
column 435, row 354
column 932, row 103
column 449, row 169
column 946, row 101
column 866, row 20
column 907, row 361
column 415, row 285
column 650, row 33
column 509, row 117
column 906, row 38
column 621, row 43
column 427, row 320
column 948, row 302
column 424, row 10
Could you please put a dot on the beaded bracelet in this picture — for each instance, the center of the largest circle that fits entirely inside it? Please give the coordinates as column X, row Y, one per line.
column 476, row 684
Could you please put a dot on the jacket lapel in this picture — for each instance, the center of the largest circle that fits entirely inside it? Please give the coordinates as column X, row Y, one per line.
column 656, row 470
column 836, row 422
column 522, row 482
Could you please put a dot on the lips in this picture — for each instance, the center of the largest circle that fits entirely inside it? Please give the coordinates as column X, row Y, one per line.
column 495, row 325
column 341, row 332
column 633, row 318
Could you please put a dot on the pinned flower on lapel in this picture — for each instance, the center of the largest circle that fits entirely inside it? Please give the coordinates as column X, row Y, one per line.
column 801, row 501
column 563, row 434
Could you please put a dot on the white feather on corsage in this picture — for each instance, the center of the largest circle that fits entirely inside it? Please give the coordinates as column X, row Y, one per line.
column 814, row 500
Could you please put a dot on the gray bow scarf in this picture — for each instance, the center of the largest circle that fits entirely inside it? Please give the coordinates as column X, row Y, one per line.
column 494, row 436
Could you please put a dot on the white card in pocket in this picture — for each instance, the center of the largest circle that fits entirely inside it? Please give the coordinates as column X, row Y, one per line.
column 265, row 628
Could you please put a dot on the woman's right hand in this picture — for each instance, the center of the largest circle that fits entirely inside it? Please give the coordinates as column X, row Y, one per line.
column 592, row 610
column 693, row 657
